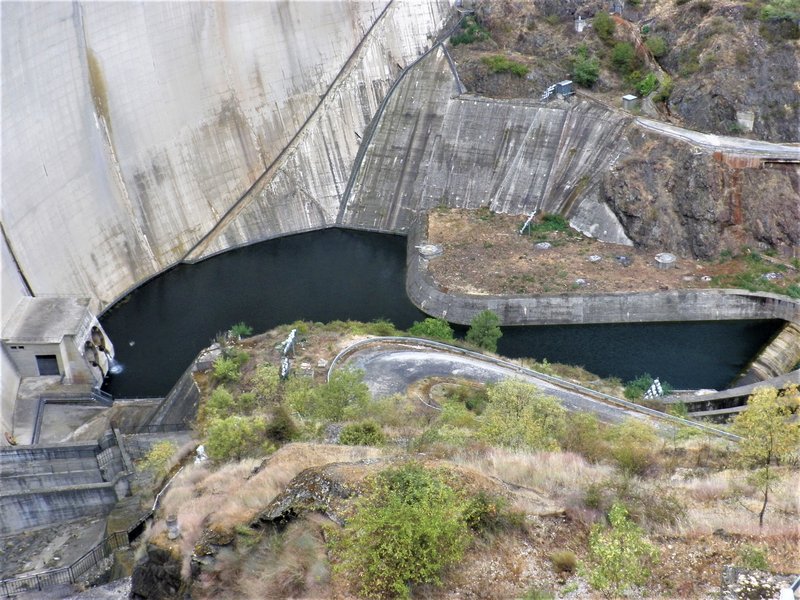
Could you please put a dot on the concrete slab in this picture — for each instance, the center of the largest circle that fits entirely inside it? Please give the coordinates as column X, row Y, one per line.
column 30, row 389
column 46, row 320
column 61, row 420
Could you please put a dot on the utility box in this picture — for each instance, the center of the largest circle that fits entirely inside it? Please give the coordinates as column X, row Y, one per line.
column 630, row 102
column 580, row 24
column 52, row 336
column 564, row 88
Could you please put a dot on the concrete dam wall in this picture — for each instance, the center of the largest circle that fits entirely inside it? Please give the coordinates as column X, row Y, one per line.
column 131, row 129
column 433, row 146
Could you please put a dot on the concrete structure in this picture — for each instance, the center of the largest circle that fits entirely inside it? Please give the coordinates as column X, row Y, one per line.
column 630, row 102
column 564, row 88
column 54, row 336
column 681, row 305
column 47, row 484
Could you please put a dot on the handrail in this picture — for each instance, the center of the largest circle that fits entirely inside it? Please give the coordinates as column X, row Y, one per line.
column 563, row 383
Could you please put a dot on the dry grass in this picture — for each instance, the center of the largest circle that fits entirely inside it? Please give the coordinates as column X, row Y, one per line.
column 555, row 474
column 235, row 494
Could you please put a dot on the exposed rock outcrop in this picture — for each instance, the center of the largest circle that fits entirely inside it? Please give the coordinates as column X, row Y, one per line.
column 670, row 197
column 157, row 575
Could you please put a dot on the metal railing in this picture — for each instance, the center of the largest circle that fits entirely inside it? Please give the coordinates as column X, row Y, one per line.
column 66, row 575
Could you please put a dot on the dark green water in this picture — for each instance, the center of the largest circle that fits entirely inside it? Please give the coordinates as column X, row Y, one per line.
column 340, row 274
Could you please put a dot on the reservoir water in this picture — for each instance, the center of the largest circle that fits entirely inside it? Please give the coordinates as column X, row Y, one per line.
column 339, row 274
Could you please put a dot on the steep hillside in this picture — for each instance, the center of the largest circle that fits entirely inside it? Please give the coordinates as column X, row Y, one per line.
column 728, row 67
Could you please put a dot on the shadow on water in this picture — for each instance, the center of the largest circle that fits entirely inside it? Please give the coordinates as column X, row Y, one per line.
column 340, row 274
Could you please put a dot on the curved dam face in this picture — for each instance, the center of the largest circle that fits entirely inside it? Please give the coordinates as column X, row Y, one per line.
column 131, row 129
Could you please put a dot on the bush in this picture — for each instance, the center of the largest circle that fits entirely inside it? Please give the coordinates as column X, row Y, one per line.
column 157, row 459
column 344, row 396
column 501, row 64
column 564, row 561
column 604, row 25
column 664, row 90
column 227, row 369
column 519, row 415
column 657, row 46
column 585, row 69
column 619, row 556
column 240, row 330
column 582, row 435
column 752, row 557
column 265, row 381
column 781, row 10
column 281, row 429
column 471, row 31
column 406, row 530
column 623, row 57
column 474, row 397
column 235, row 437
column 484, row 330
column 438, row 329
column 634, row 446
column 366, row 433
column 646, row 85
column 487, row 513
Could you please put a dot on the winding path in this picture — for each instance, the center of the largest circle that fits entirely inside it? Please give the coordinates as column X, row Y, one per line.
column 392, row 364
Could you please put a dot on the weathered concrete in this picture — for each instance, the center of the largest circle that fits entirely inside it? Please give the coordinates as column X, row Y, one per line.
column 41, row 485
column 779, row 356
column 681, row 305
column 131, row 128
column 434, row 147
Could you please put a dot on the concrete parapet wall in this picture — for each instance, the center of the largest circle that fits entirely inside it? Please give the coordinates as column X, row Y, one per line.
column 27, row 510
column 682, row 305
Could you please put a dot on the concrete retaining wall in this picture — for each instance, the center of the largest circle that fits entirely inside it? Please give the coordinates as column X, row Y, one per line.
column 433, row 146
column 684, row 305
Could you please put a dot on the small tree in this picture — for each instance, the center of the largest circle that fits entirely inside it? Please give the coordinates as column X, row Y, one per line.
column 657, row 46
column 623, row 57
column 407, row 529
column 432, row 328
column 366, row 433
column 634, row 446
column 619, row 556
column 585, row 69
column 484, row 330
column 265, row 381
column 604, row 25
column 234, row 437
column 240, row 330
column 767, row 436
column 157, row 459
column 519, row 415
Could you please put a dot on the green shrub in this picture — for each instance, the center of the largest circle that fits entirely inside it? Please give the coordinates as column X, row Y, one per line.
column 550, row 222
column 235, row 437
column 637, row 388
column 265, row 381
column 240, row 330
column 519, row 415
column 474, row 397
column 281, row 428
column 753, row 557
column 781, row 10
column 582, row 435
column 157, row 459
column 501, row 64
column 664, row 90
column 484, row 331
column 564, row 561
column 623, row 57
column 366, row 433
column 344, row 396
column 585, row 69
column 227, row 369
column 633, row 444
column 488, row 513
column 219, row 405
column 438, row 329
column 646, row 85
column 471, row 31
column 619, row 556
column 406, row 530
column 604, row 25
column 456, row 414
column 657, row 46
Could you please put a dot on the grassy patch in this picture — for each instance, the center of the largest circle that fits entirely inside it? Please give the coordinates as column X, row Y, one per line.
column 501, row 64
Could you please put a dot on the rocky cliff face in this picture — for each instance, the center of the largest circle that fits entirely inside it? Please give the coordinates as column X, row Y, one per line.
column 669, row 197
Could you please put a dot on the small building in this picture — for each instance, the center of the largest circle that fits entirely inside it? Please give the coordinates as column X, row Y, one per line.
column 564, row 88
column 57, row 336
column 580, row 24
column 630, row 102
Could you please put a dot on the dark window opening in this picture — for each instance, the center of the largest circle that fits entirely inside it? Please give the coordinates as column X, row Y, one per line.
column 48, row 364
